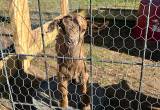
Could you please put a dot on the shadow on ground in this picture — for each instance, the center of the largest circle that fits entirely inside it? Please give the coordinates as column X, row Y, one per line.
column 117, row 36
column 32, row 95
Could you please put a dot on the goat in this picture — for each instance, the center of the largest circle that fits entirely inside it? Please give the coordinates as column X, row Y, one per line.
column 70, row 52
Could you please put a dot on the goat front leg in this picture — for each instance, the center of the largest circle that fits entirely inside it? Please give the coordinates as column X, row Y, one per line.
column 84, row 82
column 62, row 87
column 84, row 90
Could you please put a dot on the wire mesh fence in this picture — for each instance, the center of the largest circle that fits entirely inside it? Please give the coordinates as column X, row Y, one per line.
column 119, row 51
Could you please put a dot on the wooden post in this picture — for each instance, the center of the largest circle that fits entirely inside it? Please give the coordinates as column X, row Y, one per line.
column 28, row 41
column 64, row 7
column 21, row 25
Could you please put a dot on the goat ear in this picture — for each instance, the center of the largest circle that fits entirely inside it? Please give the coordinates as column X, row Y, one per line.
column 53, row 25
column 81, row 21
column 67, row 20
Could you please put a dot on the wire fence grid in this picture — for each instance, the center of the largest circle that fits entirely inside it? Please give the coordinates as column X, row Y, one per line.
column 122, row 55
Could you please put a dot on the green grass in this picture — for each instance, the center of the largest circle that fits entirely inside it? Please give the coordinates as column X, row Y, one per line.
column 53, row 5
column 106, row 3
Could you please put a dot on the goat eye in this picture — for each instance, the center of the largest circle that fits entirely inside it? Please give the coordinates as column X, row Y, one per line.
column 69, row 42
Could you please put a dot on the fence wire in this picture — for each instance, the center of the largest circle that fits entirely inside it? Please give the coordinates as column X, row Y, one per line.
column 144, row 53
column 121, row 54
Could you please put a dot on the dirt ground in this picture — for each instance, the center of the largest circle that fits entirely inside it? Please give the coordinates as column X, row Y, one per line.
column 115, row 48
column 118, row 82
column 115, row 84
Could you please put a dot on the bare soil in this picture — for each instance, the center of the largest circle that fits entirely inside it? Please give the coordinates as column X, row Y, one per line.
column 114, row 81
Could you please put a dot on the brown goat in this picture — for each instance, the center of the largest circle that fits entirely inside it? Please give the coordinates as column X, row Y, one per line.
column 69, row 48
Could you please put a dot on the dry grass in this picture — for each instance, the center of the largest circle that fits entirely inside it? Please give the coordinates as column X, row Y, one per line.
column 103, row 73
column 109, row 73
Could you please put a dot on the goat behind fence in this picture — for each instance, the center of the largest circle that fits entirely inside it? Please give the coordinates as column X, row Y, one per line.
column 121, row 60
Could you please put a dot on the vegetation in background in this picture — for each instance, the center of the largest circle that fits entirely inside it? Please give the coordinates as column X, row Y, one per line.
column 53, row 5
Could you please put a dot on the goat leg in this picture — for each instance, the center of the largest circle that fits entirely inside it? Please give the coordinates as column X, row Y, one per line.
column 85, row 97
column 62, row 87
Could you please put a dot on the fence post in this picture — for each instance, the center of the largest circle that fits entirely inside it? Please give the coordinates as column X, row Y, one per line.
column 64, row 7
column 21, row 25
